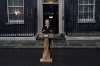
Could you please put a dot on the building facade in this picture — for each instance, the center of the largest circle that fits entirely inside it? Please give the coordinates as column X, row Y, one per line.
column 25, row 18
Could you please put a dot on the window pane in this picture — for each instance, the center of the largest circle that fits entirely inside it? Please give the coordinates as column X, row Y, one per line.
column 16, row 17
column 81, row 8
column 81, row 15
column 20, row 2
column 11, row 10
column 81, row 1
column 91, row 1
column 86, row 7
column 10, row 2
column 91, row 8
column 91, row 15
column 15, row 9
column 86, row 14
column 16, row 2
column 20, row 9
column 85, row 1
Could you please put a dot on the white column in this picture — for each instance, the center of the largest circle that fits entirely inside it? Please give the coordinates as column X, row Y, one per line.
column 40, row 15
column 61, row 14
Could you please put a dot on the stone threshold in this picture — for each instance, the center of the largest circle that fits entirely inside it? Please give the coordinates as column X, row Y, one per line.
column 67, row 38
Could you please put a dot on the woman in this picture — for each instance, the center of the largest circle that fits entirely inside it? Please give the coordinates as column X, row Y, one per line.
column 47, row 29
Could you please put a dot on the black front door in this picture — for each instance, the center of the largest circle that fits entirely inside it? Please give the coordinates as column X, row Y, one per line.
column 50, row 11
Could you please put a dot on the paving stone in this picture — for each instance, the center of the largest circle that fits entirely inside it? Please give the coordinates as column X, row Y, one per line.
column 40, row 41
column 56, row 41
column 29, row 44
column 91, row 44
column 83, row 41
column 59, row 44
column 1, row 44
column 3, row 41
column 75, row 44
column 14, row 42
column 7, row 47
column 40, row 44
column 98, row 43
column 90, row 41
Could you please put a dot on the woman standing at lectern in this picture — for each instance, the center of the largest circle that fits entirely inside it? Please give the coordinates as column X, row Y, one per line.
column 47, row 29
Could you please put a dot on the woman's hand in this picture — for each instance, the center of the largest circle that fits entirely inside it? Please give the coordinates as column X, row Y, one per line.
column 43, row 30
column 51, row 31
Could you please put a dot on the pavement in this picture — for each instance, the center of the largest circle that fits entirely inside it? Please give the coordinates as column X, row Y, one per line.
column 61, row 57
column 54, row 44
column 63, row 53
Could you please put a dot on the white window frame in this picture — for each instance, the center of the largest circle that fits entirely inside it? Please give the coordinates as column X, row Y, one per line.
column 87, row 20
column 14, row 21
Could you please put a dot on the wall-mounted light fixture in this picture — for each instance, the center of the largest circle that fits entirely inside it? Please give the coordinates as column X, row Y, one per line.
column 50, row 1
column 50, row 17
column 17, row 12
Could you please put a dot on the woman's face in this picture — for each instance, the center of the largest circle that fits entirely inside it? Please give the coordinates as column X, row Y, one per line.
column 47, row 22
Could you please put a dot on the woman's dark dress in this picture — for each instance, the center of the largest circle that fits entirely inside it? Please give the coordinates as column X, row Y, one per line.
column 47, row 30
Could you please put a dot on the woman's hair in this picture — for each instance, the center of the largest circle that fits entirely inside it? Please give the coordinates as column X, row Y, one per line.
column 47, row 20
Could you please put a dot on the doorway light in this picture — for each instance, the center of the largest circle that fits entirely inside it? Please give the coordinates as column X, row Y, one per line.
column 50, row 17
column 50, row 1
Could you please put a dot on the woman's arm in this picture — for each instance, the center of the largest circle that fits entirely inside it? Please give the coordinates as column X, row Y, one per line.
column 51, row 29
column 43, row 30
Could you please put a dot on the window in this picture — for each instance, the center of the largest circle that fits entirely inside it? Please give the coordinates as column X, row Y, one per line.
column 15, row 11
column 86, row 11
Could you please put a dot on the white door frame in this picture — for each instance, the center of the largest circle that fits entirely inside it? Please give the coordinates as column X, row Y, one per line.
column 40, row 15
